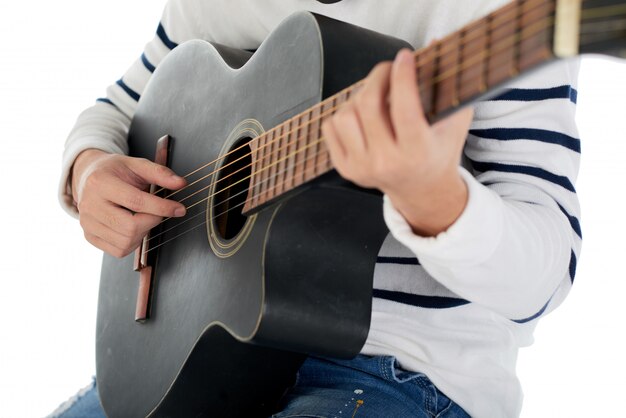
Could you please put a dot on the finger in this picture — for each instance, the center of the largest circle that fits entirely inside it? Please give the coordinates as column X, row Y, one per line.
column 338, row 155
column 122, row 242
column 106, row 246
column 347, row 130
column 103, row 245
column 406, row 111
column 372, row 107
column 138, row 201
column 334, row 145
column 121, row 220
column 152, row 173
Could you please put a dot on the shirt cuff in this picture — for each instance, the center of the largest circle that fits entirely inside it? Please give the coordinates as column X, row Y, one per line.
column 471, row 239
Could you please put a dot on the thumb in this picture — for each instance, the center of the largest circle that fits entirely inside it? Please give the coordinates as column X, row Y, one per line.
column 152, row 173
column 455, row 127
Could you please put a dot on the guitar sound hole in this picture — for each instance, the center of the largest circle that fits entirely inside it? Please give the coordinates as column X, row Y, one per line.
column 232, row 191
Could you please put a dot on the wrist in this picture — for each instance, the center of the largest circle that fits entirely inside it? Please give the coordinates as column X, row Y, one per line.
column 80, row 166
column 433, row 209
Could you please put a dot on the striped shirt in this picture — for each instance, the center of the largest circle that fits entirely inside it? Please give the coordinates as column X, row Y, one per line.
column 457, row 306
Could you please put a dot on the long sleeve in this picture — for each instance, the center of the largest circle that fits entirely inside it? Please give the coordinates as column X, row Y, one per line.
column 458, row 306
column 515, row 246
column 105, row 125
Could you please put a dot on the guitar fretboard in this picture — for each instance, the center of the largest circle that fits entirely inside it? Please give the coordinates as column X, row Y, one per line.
column 451, row 72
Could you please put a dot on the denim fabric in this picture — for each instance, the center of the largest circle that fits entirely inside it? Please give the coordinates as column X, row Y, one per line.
column 364, row 387
column 85, row 404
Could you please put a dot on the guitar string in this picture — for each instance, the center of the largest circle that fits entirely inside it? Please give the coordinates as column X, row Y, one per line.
column 598, row 12
column 250, row 176
column 267, row 167
column 469, row 36
column 284, row 147
column 244, row 191
column 304, row 162
column 163, row 232
column 446, row 75
column 604, row 11
column 298, row 138
column 204, row 222
column 247, row 190
column 224, row 211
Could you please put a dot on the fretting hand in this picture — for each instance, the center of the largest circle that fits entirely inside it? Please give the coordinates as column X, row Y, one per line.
column 381, row 139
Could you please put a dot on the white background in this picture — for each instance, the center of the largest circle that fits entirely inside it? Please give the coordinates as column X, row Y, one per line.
column 56, row 57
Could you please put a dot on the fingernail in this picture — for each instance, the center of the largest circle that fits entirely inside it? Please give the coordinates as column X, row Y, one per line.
column 180, row 211
column 404, row 55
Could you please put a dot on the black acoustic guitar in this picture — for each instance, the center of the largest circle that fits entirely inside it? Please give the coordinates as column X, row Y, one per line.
column 275, row 258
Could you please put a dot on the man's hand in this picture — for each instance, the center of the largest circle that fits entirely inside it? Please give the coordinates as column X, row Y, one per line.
column 381, row 139
column 115, row 212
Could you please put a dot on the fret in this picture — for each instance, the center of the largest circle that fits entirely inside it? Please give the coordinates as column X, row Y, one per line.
column 458, row 67
column 517, row 23
column 258, row 174
column 486, row 57
column 308, row 139
column 453, row 71
column 342, row 97
column 325, row 162
column 502, row 56
column 425, row 78
column 319, row 149
column 436, row 77
column 312, row 146
column 292, row 151
column 265, row 172
column 334, row 105
column 281, row 156
column 268, row 162
column 301, row 149
column 535, row 37
column 472, row 78
column 316, row 149
column 256, row 177
column 446, row 69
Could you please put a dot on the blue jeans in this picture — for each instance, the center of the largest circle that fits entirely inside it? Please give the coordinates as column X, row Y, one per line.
column 364, row 387
column 85, row 404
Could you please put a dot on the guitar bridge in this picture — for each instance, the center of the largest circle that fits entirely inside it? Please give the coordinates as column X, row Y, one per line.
column 142, row 263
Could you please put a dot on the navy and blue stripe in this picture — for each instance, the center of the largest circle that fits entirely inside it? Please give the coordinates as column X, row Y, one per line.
column 527, row 170
column 572, row 273
column 534, row 95
column 537, row 315
column 132, row 93
column 541, row 135
column 407, row 261
column 105, row 100
column 573, row 262
column 164, row 38
column 421, row 301
column 573, row 221
column 149, row 66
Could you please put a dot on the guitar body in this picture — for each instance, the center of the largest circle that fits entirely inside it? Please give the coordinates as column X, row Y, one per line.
column 236, row 305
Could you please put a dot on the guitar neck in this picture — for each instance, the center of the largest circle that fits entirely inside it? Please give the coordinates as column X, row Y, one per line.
column 467, row 65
